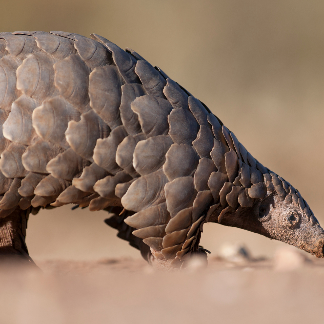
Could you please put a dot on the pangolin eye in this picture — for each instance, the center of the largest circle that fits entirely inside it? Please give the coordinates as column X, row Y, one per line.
column 292, row 218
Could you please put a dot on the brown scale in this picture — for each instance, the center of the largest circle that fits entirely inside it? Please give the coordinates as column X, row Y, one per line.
column 11, row 197
column 145, row 191
column 72, row 81
column 121, row 188
column 100, row 203
column 150, row 154
column 71, row 195
column 51, row 186
column 152, row 114
column 92, row 53
column 153, row 82
column 181, row 161
column 8, row 90
column 175, row 95
column 90, row 175
column 50, row 120
column 106, row 186
column 216, row 182
column 11, row 161
column 181, row 220
column 204, row 169
column 179, row 193
column 151, row 216
column 183, row 126
column 128, row 117
column 29, row 183
column 109, row 144
column 105, row 94
column 19, row 44
column 58, row 47
column 204, row 142
column 125, row 153
column 201, row 204
column 18, row 126
column 37, row 156
column 73, row 164
column 82, row 135
column 35, row 76
column 124, row 61
column 150, row 231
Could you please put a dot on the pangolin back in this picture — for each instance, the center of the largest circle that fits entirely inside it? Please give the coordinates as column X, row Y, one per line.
column 84, row 122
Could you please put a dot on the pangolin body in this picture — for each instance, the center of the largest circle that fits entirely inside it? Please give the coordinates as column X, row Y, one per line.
column 84, row 122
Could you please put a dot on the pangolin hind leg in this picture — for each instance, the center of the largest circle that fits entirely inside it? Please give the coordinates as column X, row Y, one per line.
column 116, row 221
column 13, row 246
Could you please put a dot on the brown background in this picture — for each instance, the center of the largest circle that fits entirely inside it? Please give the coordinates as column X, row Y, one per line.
column 257, row 64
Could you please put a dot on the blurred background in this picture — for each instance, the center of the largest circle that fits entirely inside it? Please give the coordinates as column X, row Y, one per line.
column 257, row 64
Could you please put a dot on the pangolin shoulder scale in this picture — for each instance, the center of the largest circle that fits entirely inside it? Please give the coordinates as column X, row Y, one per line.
column 84, row 122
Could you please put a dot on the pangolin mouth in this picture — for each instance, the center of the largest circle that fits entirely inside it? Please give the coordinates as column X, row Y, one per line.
column 319, row 249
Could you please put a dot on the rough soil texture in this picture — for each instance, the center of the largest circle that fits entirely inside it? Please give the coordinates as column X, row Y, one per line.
column 285, row 289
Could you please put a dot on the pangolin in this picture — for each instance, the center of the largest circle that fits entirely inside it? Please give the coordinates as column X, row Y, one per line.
column 84, row 122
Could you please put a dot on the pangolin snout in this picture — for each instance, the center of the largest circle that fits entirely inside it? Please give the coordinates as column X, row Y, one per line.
column 319, row 248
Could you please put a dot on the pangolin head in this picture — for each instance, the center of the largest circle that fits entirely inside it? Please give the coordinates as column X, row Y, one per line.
column 281, row 215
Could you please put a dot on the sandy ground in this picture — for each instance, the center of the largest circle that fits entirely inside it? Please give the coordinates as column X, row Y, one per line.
column 259, row 66
column 285, row 289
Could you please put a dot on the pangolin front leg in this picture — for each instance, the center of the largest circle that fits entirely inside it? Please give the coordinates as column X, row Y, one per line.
column 13, row 237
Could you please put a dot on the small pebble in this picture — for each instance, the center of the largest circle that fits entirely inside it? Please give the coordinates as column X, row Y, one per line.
column 288, row 259
column 236, row 253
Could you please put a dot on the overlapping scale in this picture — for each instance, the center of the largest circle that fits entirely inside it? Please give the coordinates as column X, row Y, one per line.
column 90, row 175
column 50, row 186
column 151, row 216
column 152, row 114
column 82, row 135
column 29, row 183
column 128, row 117
column 106, row 186
column 104, row 153
column 58, row 47
column 125, row 152
column 8, row 79
column 35, row 76
column 105, row 94
column 37, row 155
column 50, row 120
column 11, row 161
column 183, row 126
column 218, row 155
column 150, row 231
column 11, row 197
column 19, row 45
column 179, row 193
column 145, row 191
column 204, row 169
column 92, row 53
column 72, row 81
column 150, row 154
column 153, row 82
column 66, row 165
column 18, row 126
column 181, row 161
column 175, row 95
column 125, row 62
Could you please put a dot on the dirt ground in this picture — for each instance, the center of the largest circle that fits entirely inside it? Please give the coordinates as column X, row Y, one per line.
column 285, row 289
